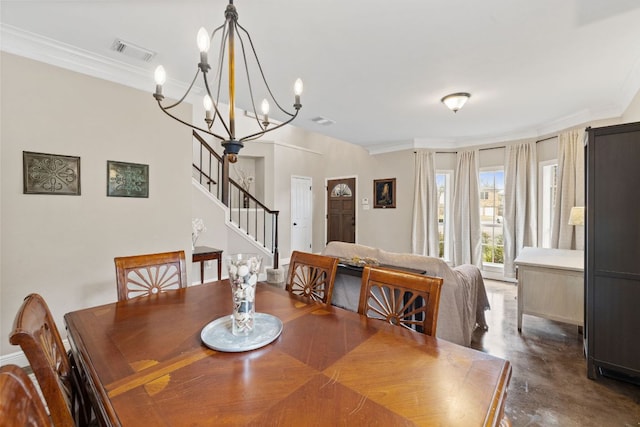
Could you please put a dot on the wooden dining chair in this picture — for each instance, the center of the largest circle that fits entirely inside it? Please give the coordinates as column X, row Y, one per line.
column 35, row 331
column 401, row 298
column 20, row 403
column 312, row 276
column 150, row 274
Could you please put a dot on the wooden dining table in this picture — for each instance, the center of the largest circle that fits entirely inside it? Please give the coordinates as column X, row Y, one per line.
column 145, row 364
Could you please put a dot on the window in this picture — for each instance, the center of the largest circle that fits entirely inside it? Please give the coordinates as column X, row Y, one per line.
column 444, row 181
column 341, row 190
column 548, row 184
column 491, row 212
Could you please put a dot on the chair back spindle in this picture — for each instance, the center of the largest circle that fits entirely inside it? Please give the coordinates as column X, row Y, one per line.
column 35, row 331
column 312, row 276
column 150, row 274
column 401, row 298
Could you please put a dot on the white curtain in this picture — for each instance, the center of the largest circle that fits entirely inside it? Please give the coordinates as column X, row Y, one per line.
column 467, row 238
column 569, row 190
column 520, row 207
column 424, row 234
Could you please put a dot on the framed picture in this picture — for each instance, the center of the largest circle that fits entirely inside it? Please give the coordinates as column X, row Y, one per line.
column 50, row 174
column 384, row 193
column 127, row 179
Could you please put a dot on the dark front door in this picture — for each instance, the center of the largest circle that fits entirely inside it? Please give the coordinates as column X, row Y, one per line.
column 341, row 208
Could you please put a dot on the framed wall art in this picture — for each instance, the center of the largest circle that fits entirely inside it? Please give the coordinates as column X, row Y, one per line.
column 384, row 193
column 127, row 179
column 50, row 174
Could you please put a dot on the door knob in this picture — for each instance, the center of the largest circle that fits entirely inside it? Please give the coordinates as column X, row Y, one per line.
column 295, row 223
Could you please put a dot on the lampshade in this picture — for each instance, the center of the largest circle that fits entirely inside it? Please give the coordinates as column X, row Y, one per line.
column 455, row 101
column 576, row 217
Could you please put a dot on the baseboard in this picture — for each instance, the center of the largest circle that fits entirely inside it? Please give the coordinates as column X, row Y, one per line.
column 19, row 358
column 620, row 376
column 493, row 275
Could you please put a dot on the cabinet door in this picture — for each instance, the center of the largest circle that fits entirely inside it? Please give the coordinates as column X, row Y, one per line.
column 616, row 314
column 613, row 249
column 616, row 203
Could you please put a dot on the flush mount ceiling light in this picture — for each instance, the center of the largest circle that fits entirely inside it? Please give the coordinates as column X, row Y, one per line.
column 228, row 34
column 455, row 101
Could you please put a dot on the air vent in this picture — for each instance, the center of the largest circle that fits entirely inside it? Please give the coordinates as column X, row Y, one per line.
column 323, row 121
column 132, row 51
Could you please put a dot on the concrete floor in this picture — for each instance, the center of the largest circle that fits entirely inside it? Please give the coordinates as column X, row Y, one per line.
column 549, row 384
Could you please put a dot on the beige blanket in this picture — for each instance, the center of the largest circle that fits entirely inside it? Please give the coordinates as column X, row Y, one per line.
column 463, row 298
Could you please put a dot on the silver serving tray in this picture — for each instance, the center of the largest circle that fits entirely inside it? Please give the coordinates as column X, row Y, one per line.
column 217, row 334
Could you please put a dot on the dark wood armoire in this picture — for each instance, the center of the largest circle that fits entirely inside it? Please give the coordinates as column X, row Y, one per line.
column 612, row 251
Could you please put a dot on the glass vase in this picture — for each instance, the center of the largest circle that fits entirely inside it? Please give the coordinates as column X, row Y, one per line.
column 243, row 272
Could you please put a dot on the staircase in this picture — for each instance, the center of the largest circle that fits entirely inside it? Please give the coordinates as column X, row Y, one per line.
column 256, row 221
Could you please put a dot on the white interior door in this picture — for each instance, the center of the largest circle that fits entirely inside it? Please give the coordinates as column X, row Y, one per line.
column 301, row 213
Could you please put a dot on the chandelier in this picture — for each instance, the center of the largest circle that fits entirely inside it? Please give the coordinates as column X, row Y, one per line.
column 228, row 33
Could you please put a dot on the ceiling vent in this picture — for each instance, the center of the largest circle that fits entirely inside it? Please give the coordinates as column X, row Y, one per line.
column 133, row 51
column 323, row 121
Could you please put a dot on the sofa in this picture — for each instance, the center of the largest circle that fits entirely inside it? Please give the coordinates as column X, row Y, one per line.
column 463, row 298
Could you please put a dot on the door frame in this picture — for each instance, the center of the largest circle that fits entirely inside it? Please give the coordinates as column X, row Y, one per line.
column 326, row 207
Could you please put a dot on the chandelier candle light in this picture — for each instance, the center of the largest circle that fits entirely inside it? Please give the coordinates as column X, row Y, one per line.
column 228, row 33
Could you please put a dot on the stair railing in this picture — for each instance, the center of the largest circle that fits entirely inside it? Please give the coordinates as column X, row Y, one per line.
column 247, row 212
column 207, row 166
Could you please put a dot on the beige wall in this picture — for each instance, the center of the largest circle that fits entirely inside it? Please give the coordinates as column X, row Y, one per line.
column 204, row 207
column 389, row 229
column 63, row 246
column 632, row 114
column 298, row 152
column 310, row 155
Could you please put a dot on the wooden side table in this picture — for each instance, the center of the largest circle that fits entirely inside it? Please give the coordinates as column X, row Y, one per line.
column 205, row 253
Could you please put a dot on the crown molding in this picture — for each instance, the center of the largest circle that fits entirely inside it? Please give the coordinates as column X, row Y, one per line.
column 33, row 46
column 39, row 48
column 630, row 87
column 43, row 49
column 553, row 127
column 390, row 147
